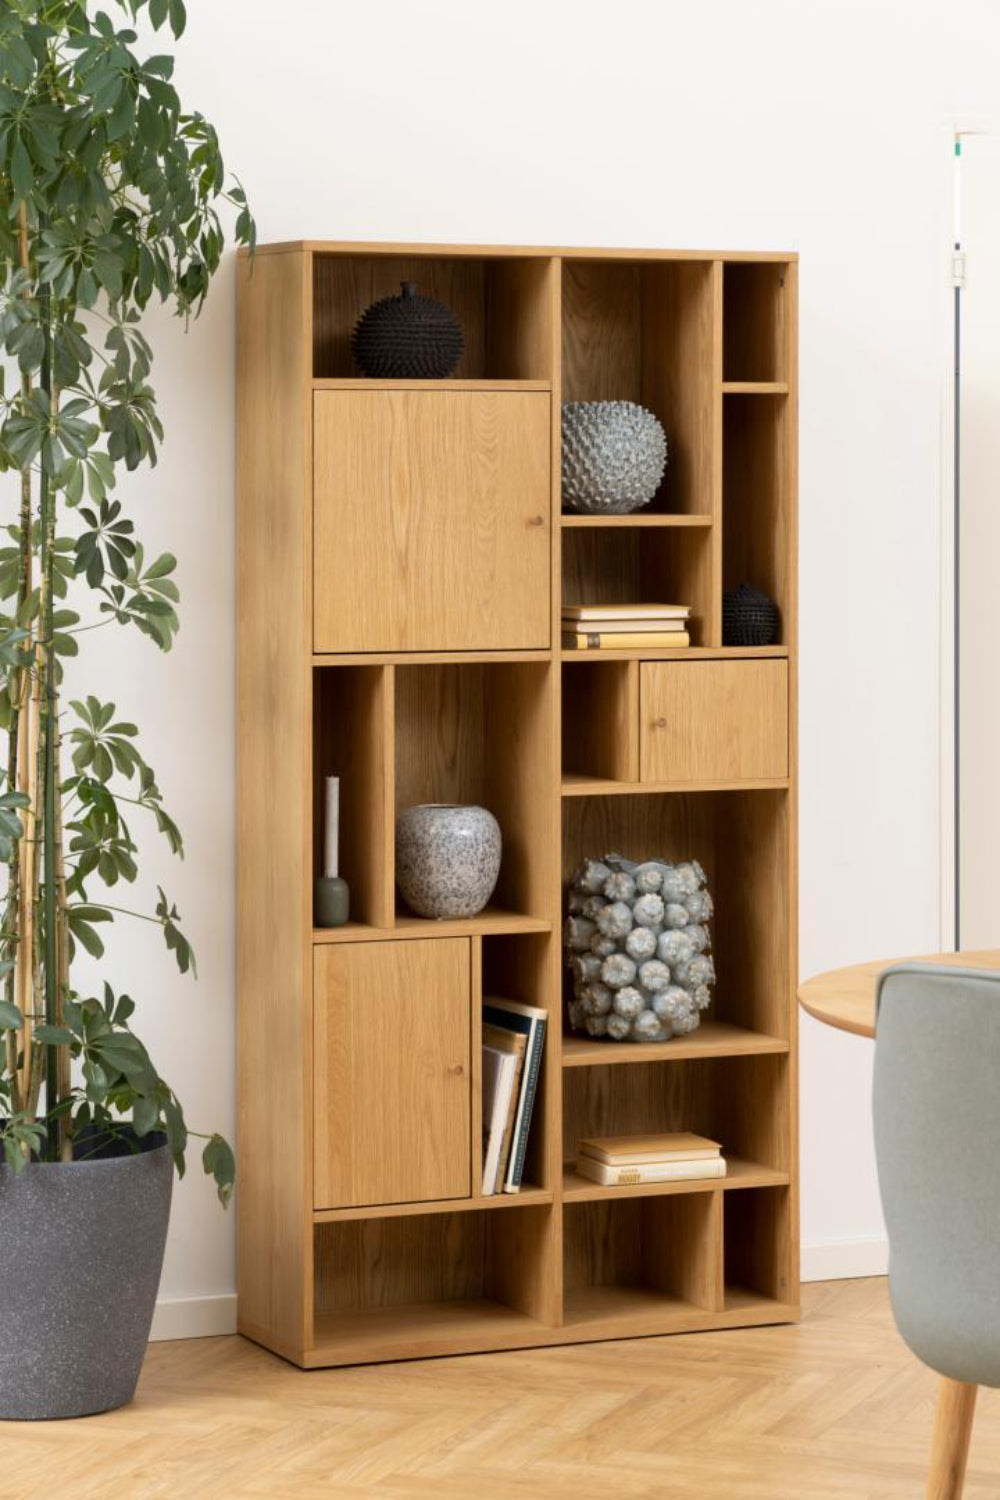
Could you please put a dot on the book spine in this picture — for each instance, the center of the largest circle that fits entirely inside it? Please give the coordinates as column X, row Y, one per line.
column 532, row 1068
column 659, row 1172
column 655, row 640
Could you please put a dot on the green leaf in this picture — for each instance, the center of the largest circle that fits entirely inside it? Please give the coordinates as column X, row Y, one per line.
column 220, row 1163
column 11, row 1018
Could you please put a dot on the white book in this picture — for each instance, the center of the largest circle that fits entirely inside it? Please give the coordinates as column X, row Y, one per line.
column 626, row 611
column 499, row 1072
column 634, row 625
column 655, row 1171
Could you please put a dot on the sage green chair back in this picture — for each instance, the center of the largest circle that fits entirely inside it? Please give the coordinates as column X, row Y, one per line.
column 937, row 1143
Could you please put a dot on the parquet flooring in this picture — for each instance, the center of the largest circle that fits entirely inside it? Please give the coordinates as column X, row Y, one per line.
column 833, row 1407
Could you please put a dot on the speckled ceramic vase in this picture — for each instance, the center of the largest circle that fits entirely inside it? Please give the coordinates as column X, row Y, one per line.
column 81, row 1247
column 447, row 858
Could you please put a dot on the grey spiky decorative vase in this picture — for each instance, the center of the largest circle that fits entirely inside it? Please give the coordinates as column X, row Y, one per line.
column 614, row 454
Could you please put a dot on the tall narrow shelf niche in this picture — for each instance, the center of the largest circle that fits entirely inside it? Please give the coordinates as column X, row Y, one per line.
column 403, row 561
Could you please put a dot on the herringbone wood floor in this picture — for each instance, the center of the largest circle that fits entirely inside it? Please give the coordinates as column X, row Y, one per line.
column 833, row 1407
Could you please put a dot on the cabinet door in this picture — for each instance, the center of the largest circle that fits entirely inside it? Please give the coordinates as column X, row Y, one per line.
column 714, row 720
column 432, row 520
column 391, row 1094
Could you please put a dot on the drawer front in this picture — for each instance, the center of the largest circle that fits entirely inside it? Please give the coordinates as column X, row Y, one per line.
column 432, row 520
column 391, row 1072
column 713, row 720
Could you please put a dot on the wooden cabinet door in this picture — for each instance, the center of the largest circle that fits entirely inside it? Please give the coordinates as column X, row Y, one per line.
column 431, row 520
column 704, row 721
column 391, row 1070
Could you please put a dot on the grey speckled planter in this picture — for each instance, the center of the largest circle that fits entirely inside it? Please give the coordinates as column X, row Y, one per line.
column 447, row 858
column 81, row 1248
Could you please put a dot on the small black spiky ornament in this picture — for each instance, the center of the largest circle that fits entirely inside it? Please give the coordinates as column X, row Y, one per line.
column 749, row 618
column 408, row 337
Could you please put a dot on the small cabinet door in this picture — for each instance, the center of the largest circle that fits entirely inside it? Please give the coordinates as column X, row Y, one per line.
column 713, row 720
column 391, row 1065
column 432, row 520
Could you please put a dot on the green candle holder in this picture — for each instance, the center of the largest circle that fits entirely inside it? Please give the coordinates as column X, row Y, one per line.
column 332, row 903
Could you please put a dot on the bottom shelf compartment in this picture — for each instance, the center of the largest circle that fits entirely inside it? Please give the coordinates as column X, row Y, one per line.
column 643, row 1257
column 445, row 1283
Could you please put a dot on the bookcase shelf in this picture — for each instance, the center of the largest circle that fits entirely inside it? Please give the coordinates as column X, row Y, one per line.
column 403, row 561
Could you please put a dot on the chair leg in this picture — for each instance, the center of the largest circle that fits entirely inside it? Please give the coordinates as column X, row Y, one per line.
column 952, row 1430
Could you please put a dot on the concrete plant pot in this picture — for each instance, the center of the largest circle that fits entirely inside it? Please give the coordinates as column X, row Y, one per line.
column 81, row 1250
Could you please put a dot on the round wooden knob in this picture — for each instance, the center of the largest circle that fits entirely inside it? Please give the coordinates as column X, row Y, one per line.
column 536, row 521
column 659, row 723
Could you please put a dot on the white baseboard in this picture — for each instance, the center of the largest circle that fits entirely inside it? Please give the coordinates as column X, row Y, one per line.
column 193, row 1317
column 840, row 1260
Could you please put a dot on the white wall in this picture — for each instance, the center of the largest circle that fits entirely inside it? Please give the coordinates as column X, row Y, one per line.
column 817, row 127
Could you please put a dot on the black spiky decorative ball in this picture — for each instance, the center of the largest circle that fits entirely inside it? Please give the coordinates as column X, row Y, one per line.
column 749, row 618
column 408, row 337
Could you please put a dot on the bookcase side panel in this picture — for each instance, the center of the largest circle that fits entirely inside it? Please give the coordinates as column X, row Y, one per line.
column 273, row 751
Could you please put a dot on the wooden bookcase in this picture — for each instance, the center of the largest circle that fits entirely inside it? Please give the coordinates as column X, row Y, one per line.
column 402, row 559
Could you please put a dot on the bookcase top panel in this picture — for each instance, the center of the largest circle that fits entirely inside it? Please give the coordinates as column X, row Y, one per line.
column 479, row 252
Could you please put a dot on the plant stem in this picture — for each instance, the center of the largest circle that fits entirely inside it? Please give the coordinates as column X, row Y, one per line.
column 47, row 668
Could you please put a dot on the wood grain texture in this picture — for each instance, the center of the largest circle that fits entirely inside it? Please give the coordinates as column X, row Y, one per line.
column 717, row 721
column 392, row 1065
column 757, row 539
column 845, row 998
column 485, row 734
column 741, row 840
column 442, row 679
column 352, row 739
column 502, row 305
column 757, row 323
column 274, row 868
column 952, row 1433
column 431, row 521
column 600, row 720
column 834, row 1408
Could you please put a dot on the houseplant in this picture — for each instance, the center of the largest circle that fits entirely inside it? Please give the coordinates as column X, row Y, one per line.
column 109, row 196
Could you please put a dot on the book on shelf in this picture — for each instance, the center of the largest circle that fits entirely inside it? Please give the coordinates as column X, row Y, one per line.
column 512, row 1043
column 651, row 612
column 499, row 1070
column 608, row 626
column 530, row 1023
column 609, row 1175
column 637, row 1150
column 652, row 640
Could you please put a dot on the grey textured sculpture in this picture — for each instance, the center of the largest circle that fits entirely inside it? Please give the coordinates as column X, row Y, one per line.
column 614, row 454
column 637, row 941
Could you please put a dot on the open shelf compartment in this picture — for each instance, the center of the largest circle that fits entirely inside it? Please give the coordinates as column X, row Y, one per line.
column 406, row 1288
column 738, row 1101
column 643, row 565
column 483, row 733
column 741, row 838
column 760, row 1254
column 646, row 331
column 757, row 500
column 352, row 739
column 505, row 306
column 521, row 968
column 658, row 1260
column 756, row 321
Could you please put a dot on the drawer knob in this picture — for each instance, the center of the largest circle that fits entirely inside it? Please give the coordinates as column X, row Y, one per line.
column 536, row 521
column 659, row 723
column 457, row 1070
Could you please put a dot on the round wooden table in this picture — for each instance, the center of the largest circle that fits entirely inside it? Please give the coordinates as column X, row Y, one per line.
column 846, row 997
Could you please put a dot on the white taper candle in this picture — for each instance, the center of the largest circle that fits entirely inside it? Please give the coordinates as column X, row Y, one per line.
column 332, row 825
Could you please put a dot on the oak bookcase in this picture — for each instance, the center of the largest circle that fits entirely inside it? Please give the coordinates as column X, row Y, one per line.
column 402, row 560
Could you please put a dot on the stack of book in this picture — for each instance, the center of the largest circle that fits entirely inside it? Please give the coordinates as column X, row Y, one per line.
column 622, row 1160
column 513, row 1038
column 624, row 627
